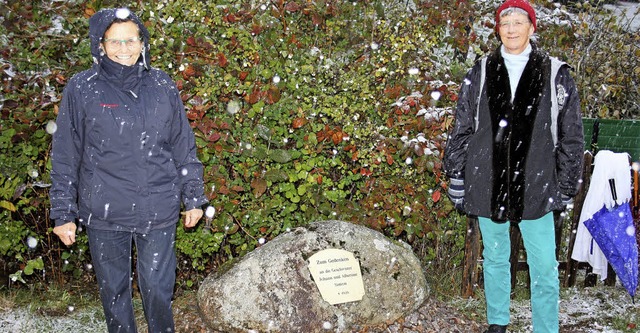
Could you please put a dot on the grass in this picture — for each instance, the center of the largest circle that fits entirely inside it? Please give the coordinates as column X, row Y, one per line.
column 51, row 300
column 54, row 308
column 51, row 309
column 75, row 308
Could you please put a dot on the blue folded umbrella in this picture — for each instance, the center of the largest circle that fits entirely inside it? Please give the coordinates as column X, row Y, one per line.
column 614, row 232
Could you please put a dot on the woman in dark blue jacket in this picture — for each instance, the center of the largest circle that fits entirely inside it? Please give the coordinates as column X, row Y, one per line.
column 123, row 163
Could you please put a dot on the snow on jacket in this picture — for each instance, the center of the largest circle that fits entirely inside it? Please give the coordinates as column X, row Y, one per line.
column 124, row 154
column 517, row 158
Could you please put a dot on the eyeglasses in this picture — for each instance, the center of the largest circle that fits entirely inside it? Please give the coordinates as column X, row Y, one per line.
column 117, row 43
column 517, row 24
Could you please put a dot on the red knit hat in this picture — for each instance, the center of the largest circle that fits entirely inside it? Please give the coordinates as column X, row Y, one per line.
column 523, row 4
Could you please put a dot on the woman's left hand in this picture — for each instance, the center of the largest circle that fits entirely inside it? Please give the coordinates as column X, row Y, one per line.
column 191, row 217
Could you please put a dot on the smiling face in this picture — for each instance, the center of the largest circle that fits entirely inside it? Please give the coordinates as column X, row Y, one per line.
column 122, row 43
column 515, row 30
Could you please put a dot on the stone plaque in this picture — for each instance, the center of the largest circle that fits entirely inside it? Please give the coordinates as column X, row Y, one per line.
column 337, row 275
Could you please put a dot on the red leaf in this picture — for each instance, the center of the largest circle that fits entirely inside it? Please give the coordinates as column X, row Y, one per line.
column 189, row 72
column 273, row 95
column 192, row 115
column 436, row 196
column 292, row 7
column 222, row 60
column 365, row 172
column 299, row 122
column 337, row 137
column 61, row 79
column 253, row 97
column 390, row 122
column 213, row 137
column 389, row 159
column 256, row 29
column 230, row 18
column 316, row 19
column 259, row 186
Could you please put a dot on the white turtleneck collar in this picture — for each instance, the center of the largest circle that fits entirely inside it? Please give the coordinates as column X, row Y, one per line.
column 515, row 66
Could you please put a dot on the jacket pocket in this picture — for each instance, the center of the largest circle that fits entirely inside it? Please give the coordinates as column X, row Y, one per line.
column 165, row 202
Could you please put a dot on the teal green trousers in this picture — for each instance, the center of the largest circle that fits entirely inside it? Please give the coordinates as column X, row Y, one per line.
column 539, row 242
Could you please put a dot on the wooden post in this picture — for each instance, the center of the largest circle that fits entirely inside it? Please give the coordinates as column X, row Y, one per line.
column 572, row 265
column 517, row 246
column 611, row 277
column 558, row 224
column 514, row 258
column 472, row 248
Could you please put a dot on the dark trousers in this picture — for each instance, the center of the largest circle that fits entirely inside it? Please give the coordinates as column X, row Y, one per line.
column 111, row 253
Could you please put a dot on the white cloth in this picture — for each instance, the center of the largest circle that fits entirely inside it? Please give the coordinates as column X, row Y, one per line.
column 608, row 165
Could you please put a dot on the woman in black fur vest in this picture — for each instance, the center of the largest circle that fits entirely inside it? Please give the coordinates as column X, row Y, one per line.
column 513, row 157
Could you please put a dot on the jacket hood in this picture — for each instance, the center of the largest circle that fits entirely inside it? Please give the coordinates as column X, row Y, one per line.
column 100, row 22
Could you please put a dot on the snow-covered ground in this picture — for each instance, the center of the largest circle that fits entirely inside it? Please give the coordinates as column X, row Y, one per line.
column 582, row 310
column 629, row 13
column 26, row 320
column 586, row 310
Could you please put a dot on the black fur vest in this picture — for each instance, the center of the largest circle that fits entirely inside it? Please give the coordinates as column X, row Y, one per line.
column 512, row 125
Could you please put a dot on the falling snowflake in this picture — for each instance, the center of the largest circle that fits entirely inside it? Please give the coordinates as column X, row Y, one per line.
column 51, row 127
column 33, row 173
column 233, row 107
column 122, row 13
column 210, row 212
column 631, row 231
column 32, row 242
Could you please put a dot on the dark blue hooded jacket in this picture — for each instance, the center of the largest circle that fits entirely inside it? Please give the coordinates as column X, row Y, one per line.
column 124, row 154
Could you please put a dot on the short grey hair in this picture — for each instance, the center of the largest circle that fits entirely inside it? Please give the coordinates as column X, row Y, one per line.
column 514, row 10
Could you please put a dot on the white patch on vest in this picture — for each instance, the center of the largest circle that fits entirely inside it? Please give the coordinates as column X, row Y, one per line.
column 561, row 94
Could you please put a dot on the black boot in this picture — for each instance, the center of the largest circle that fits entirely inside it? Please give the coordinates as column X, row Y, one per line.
column 493, row 328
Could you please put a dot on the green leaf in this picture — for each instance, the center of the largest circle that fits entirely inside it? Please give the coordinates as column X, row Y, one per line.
column 275, row 175
column 280, row 156
column 7, row 205
column 302, row 189
column 17, row 276
column 5, row 245
column 264, row 132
